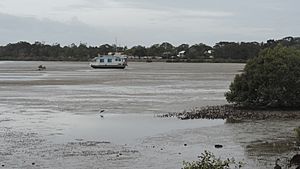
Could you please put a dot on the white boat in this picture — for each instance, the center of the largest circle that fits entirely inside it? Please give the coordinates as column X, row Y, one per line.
column 109, row 62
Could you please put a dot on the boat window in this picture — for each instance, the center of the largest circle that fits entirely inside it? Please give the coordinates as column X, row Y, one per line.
column 101, row 60
column 109, row 60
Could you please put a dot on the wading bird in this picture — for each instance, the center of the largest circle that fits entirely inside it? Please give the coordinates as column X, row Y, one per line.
column 276, row 164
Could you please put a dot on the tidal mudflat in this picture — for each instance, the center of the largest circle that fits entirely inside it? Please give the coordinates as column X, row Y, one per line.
column 52, row 119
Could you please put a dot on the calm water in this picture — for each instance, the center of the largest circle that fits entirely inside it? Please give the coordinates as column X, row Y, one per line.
column 52, row 117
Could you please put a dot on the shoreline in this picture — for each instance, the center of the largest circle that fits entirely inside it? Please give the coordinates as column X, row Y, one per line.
column 139, row 60
column 234, row 114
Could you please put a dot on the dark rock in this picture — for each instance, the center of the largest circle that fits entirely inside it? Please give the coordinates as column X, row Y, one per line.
column 218, row 146
column 41, row 67
column 33, row 163
column 234, row 114
column 185, row 145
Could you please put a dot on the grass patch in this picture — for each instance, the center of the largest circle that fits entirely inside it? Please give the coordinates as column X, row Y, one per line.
column 207, row 160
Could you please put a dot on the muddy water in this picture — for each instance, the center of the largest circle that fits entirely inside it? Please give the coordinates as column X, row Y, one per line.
column 51, row 119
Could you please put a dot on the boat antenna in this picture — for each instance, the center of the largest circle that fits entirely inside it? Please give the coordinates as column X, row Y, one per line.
column 116, row 41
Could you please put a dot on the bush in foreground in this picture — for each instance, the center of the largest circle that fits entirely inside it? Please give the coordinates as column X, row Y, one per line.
column 272, row 80
column 208, row 161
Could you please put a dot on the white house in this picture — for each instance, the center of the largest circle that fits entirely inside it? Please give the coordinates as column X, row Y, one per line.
column 181, row 54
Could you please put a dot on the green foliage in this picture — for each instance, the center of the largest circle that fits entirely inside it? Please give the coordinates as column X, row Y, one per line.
column 221, row 52
column 270, row 80
column 41, row 51
column 137, row 51
column 208, row 161
column 232, row 50
column 198, row 51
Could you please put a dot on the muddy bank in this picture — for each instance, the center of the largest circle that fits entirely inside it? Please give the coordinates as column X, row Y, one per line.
column 27, row 150
column 232, row 113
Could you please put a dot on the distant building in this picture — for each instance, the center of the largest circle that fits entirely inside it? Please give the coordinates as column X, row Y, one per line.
column 118, row 53
column 209, row 54
column 181, row 54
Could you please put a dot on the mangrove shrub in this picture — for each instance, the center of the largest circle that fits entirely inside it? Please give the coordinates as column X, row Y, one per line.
column 271, row 80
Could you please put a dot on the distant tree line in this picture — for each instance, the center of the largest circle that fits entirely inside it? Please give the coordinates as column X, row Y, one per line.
column 222, row 51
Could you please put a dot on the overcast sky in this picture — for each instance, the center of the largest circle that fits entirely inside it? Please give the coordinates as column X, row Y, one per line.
column 147, row 22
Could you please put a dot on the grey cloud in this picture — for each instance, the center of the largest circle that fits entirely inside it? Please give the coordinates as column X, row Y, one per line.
column 15, row 28
column 147, row 22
